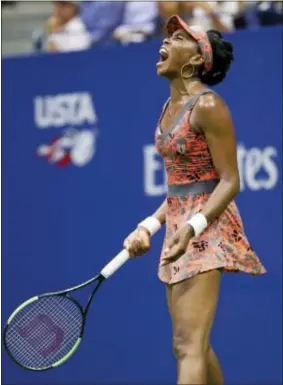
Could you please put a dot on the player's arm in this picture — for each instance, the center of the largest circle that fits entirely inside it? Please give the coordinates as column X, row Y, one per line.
column 213, row 118
column 160, row 213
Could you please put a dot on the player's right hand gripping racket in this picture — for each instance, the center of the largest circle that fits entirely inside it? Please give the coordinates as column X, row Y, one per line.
column 46, row 330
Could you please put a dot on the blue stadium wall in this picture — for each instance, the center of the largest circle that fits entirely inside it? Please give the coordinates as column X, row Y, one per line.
column 62, row 224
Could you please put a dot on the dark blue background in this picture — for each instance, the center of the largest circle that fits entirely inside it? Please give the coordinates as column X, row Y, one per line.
column 61, row 225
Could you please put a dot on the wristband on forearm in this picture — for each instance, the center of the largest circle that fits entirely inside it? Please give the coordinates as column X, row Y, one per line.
column 151, row 224
column 198, row 223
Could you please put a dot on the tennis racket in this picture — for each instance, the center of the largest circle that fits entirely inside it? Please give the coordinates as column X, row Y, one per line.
column 46, row 330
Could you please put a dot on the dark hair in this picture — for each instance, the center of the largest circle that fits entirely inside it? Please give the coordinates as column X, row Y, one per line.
column 222, row 59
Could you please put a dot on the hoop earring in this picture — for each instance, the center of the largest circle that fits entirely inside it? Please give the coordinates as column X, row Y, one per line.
column 191, row 74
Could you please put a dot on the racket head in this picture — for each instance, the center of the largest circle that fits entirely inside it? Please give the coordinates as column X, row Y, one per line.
column 44, row 332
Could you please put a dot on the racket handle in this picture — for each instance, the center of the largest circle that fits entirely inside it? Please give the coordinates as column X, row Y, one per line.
column 119, row 260
column 115, row 264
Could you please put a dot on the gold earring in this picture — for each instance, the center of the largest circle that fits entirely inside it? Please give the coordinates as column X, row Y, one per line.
column 191, row 74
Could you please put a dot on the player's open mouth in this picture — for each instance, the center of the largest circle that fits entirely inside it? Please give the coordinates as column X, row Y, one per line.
column 163, row 54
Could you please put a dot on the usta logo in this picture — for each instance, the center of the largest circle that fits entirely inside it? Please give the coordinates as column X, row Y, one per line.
column 75, row 146
column 64, row 109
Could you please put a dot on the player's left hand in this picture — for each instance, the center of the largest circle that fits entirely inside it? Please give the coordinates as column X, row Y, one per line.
column 178, row 243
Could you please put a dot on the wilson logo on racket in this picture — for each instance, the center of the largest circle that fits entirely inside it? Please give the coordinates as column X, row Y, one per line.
column 42, row 327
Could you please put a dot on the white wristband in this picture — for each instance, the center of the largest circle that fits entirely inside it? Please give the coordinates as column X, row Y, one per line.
column 198, row 223
column 151, row 224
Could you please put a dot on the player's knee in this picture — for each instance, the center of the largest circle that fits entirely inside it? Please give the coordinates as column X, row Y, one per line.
column 191, row 347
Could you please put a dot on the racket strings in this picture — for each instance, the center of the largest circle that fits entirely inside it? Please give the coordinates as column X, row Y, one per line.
column 44, row 331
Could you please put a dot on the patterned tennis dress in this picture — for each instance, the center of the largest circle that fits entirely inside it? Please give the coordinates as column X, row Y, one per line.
column 191, row 178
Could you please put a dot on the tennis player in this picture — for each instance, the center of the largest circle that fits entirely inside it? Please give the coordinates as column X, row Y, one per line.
column 204, row 231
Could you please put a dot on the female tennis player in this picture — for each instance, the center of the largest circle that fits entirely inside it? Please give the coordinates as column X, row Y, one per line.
column 204, row 231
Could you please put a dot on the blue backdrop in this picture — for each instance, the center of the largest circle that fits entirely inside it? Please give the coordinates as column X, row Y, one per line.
column 66, row 212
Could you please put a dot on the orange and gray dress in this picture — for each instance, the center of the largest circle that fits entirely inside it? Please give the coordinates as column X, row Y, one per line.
column 191, row 178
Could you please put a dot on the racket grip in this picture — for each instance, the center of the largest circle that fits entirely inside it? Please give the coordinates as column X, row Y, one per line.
column 115, row 264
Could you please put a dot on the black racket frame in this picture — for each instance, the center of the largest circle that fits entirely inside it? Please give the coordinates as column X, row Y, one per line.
column 63, row 293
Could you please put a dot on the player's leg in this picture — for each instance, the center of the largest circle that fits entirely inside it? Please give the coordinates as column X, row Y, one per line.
column 192, row 305
column 214, row 372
